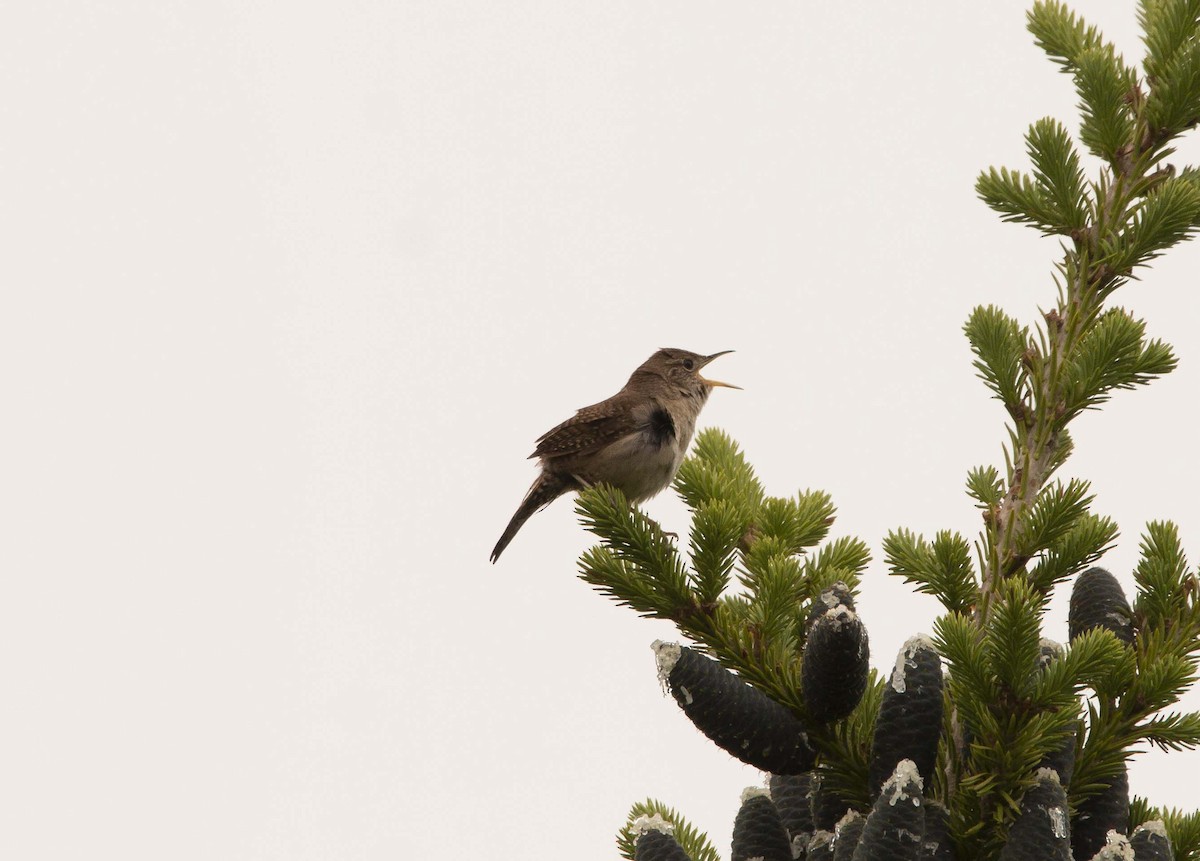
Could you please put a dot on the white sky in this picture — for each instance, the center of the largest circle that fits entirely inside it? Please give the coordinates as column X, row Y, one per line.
column 291, row 289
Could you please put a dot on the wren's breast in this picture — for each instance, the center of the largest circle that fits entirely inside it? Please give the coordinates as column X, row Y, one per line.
column 643, row 463
column 635, row 463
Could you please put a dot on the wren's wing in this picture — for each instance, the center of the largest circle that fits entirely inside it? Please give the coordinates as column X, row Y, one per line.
column 590, row 429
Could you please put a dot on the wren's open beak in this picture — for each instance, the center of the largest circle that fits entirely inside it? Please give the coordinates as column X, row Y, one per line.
column 709, row 382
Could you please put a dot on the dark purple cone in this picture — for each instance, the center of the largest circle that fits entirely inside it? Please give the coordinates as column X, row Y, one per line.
column 790, row 794
column 820, row 848
column 896, row 824
column 1062, row 761
column 1098, row 814
column 838, row 593
column 738, row 718
column 910, row 715
column 759, row 833
column 658, row 846
column 1151, row 843
column 1097, row 601
column 849, row 832
column 936, row 845
column 827, row 806
column 1042, row 831
column 834, row 673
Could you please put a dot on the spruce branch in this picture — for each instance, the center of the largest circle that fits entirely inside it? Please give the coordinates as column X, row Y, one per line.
column 1172, row 731
column 1079, row 352
column 1031, row 733
column 1093, row 657
column 1152, row 675
column 1058, row 173
column 1062, row 34
column 1088, row 538
column 942, row 569
column 1174, row 105
column 999, row 345
column 1163, row 218
column 1105, row 86
column 717, row 526
column 1167, row 30
column 1018, row 198
column 758, row 632
column 1012, row 639
column 638, row 563
column 1167, row 589
column 839, row 560
column 985, row 486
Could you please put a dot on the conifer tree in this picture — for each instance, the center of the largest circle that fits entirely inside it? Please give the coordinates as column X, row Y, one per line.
column 999, row 742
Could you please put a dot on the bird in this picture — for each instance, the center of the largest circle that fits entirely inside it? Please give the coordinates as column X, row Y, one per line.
column 634, row 441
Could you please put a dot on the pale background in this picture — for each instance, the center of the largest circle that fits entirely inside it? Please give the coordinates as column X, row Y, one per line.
column 291, row 288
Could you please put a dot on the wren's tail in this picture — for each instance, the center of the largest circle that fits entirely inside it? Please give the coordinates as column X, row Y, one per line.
column 547, row 488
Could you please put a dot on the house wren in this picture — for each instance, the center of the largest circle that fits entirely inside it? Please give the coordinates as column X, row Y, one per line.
column 634, row 441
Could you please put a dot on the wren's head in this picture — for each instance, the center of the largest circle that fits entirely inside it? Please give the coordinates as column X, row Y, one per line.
column 679, row 370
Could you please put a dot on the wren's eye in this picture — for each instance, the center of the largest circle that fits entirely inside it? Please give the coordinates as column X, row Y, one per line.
column 689, row 364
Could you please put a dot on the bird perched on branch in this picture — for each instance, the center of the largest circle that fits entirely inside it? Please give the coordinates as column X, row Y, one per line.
column 634, row 441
